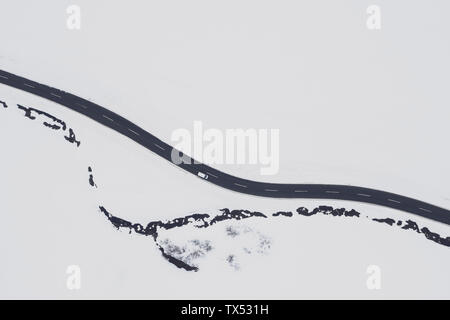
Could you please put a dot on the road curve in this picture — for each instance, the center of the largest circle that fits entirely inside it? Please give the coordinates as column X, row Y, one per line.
column 272, row 190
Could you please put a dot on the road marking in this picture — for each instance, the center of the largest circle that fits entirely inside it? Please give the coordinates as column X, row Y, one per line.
column 240, row 185
column 55, row 95
column 271, row 190
column 159, row 146
column 425, row 210
column 363, row 195
column 81, row 105
column 300, row 190
column 134, row 132
column 107, row 118
column 332, row 191
column 29, row 85
column 392, row 200
column 4, row 77
column 211, row 174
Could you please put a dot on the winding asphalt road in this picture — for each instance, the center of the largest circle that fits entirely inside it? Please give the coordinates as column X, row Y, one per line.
column 209, row 174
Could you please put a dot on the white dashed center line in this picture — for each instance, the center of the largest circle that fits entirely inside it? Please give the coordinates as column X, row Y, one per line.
column 241, row 185
column 271, row 190
column 4, row 77
column 131, row 130
column 159, row 146
column 363, row 195
column 332, row 191
column 55, row 95
column 392, row 200
column 81, row 105
column 425, row 210
column 28, row 85
column 106, row 117
column 300, row 190
column 209, row 173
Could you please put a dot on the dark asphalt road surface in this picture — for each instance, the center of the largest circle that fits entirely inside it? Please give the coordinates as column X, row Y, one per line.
column 209, row 174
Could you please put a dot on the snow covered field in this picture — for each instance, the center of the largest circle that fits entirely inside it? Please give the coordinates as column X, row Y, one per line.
column 353, row 107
